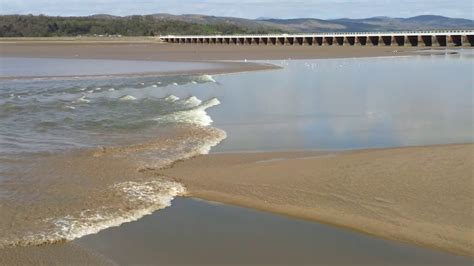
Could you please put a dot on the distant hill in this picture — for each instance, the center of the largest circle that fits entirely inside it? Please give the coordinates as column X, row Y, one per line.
column 164, row 24
column 150, row 25
column 213, row 20
column 425, row 22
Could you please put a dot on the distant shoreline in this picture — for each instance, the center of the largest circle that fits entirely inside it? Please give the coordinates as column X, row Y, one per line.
column 147, row 48
column 81, row 39
column 224, row 68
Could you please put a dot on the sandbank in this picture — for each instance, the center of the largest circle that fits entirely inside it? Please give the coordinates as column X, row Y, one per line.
column 421, row 195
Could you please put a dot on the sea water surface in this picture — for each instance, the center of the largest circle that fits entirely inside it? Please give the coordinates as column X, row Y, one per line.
column 72, row 150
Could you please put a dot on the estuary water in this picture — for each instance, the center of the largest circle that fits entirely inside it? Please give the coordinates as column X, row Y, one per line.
column 73, row 150
column 345, row 103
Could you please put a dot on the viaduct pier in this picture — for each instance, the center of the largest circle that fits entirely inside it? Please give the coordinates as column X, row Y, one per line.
column 436, row 38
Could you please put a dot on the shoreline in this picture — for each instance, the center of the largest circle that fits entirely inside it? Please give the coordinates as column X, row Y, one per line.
column 226, row 68
column 220, row 199
column 261, row 181
column 232, row 59
column 156, row 51
column 163, row 237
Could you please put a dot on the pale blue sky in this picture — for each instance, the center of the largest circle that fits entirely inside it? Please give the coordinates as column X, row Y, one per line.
column 245, row 8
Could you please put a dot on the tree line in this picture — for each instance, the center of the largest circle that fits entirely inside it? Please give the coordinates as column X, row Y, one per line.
column 49, row 26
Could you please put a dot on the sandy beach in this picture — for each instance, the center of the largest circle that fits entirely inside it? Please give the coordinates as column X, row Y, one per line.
column 421, row 195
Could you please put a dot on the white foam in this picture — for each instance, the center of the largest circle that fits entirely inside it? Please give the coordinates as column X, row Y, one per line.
column 127, row 98
column 111, row 89
column 196, row 115
column 69, row 107
column 205, row 148
column 83, row 99
column 142, row 198
column 206, row 78
column 151, row 192
column 175, row 84
column 210, row 103
column 192, row 101
column 154, row 86
column 171, row 98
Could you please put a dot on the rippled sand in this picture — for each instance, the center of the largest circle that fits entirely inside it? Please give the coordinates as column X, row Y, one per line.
column 421, row 195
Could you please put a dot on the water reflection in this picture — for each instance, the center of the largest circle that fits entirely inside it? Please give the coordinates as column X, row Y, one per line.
column 345, row 103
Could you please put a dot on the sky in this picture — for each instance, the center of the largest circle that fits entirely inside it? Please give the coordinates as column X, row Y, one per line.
column 324, row 9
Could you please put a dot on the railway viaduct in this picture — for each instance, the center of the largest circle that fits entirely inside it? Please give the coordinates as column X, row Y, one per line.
column 436, row 38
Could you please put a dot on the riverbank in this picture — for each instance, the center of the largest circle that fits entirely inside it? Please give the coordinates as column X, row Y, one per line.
column 150, row 49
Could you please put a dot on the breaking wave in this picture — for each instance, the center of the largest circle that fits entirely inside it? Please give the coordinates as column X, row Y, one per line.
column 171, row 98
column 80, row 189
column 206, row 78
column 195, row 115
column 140, row 199
column 109, row 203
column 127, row 98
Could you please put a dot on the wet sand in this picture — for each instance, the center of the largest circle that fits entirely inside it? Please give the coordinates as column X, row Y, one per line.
column 421, row 195
column 153, row 50
column 174, row 236
column 73, row 70
column 240, row 236
column 60, row 254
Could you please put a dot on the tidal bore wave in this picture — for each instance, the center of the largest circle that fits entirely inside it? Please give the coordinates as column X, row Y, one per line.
column 78, row 156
